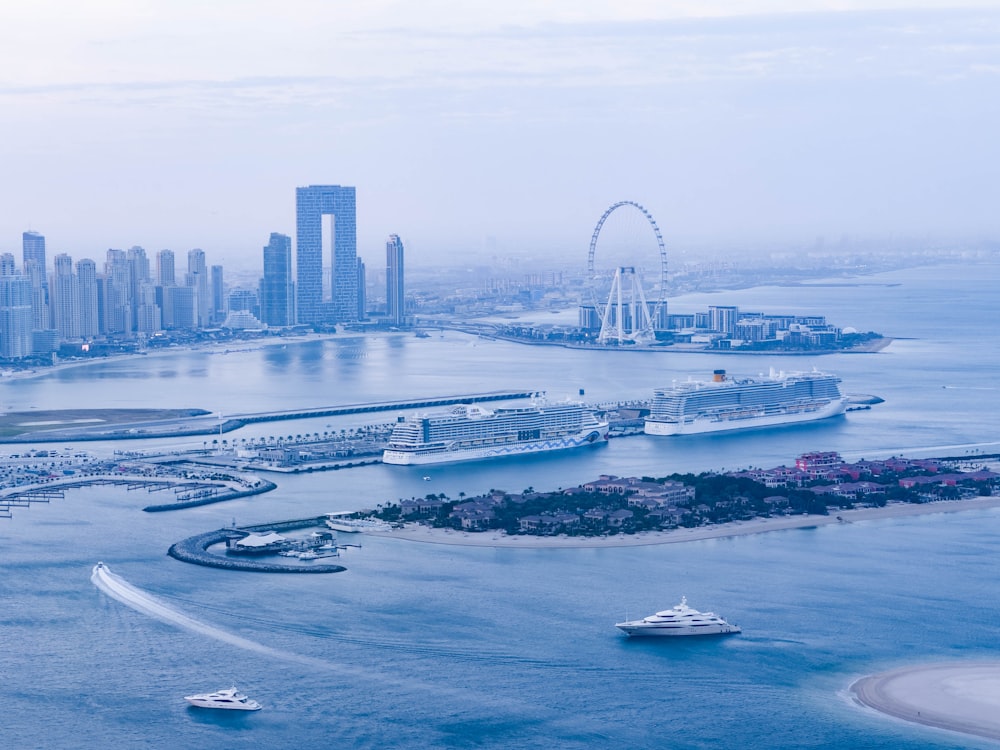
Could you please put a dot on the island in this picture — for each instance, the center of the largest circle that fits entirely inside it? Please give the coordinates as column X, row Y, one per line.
column 819, row 484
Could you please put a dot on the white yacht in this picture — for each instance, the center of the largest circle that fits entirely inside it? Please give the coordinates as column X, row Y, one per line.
column 338, row 522
column 230, row 698
column 681, row 620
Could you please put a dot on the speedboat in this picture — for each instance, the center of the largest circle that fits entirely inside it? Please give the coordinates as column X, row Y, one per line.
column 230, row 698
column 681, row 620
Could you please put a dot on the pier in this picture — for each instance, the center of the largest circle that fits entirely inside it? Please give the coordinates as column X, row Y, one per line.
column 214, row 424
column 188, row 493
column 422, row 403
column 194, row 550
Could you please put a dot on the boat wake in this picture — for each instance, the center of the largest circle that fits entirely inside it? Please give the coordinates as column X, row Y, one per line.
column 121, row 590
column 456, row 704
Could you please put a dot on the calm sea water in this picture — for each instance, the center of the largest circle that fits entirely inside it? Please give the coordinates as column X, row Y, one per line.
column 442, row 646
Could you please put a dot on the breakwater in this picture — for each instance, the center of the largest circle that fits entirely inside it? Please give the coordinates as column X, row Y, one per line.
column 262, row 487
column 194, row 550
column 211, row 425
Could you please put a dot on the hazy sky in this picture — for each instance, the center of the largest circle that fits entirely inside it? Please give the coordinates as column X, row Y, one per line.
column 184, row 123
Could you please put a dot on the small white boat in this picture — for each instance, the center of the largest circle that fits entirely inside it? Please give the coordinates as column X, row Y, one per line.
column 681, row 620
column 230, row 698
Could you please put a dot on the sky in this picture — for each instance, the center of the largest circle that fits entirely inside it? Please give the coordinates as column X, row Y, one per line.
column 499, row 127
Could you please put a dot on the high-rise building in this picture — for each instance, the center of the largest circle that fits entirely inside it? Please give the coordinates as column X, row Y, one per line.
column 311, row 205
column 277, row 300
column 722, row 318
column 244, row 300
column 181, row 302
column 86, row 281
column 362, row 296
column 65, row 298
column 33, row 249
column 15, row 311
column 165, row 268
column 218, row 296
column 117, row 294
column 8, row 266
column 197, row 279
column 138, row 276
column 147, row 312
column 395, row 307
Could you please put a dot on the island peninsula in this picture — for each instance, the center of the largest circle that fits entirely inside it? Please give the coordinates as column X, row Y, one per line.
column 821, row 485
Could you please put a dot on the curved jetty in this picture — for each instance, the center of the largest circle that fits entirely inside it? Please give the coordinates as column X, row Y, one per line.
column 208, row 498
column 195, row 550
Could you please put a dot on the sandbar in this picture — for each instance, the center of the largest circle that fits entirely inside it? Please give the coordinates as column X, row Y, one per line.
column 417, row 532
column 959, row 696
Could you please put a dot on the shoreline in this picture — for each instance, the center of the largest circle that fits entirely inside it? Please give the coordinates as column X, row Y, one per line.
column 415, row 532
column 958, row 696
column 211, row 347
column 214, row 347
column 867, row 347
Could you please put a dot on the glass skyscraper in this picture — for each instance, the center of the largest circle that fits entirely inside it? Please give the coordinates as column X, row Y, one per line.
column 33, row 247
column 395, row 309
column 311, row 205
column 15, row 311
column 277, row 303
column 65, row 298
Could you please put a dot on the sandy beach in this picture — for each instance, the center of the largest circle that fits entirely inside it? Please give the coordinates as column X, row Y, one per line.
column 419, row 533
column 961, row 697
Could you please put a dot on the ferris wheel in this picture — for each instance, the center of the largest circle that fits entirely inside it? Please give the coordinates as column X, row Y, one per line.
column 618, row 295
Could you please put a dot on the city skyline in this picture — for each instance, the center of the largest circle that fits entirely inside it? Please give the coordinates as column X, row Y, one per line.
column 503, row 130
column 45, row 307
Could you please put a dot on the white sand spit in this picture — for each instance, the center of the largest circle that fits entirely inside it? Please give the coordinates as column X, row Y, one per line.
column 961, row 697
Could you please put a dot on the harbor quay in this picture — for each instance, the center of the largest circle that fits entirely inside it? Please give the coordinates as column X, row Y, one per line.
column 194, row 549
column 189, row 491
column 212, row 495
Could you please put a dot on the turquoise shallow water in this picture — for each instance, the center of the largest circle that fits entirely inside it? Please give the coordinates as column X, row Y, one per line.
column 440, row 646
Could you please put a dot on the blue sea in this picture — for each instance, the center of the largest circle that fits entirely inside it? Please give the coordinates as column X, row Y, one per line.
column 422, row 645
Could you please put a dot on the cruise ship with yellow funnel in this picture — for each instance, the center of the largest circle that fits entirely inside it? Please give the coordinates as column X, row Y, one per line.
column 724, row 403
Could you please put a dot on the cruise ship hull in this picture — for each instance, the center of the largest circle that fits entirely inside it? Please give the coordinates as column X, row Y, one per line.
column 594, row 435
column 701, row 425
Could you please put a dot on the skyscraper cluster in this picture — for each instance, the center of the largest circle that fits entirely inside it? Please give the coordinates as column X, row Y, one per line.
column 39, row 311
column 134, row 296
column 326, row 221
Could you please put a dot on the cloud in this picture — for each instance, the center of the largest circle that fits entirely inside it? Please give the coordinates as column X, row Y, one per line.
column 782, row 123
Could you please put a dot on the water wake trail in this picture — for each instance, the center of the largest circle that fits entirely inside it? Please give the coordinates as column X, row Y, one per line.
column 118, row 588
column 121, row 590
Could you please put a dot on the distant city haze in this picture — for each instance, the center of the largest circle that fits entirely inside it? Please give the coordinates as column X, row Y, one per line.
column 498, row 130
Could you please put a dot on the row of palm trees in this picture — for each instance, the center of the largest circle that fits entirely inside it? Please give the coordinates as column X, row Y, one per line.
column 367, row 432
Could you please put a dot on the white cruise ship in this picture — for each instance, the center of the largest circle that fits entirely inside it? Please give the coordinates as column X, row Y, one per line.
column 470, row 432
column 681, row 620
column 724, row 403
